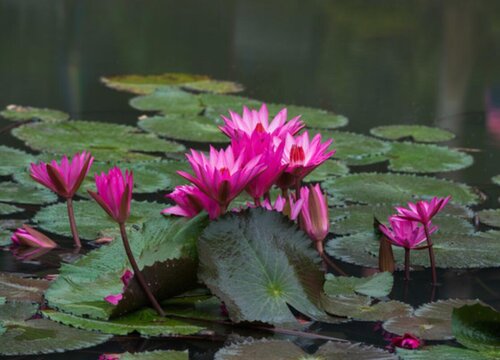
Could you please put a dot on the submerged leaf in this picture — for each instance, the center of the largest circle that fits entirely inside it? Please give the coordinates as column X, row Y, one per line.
column 26, row 113
column 416, row 132
column 16, row 288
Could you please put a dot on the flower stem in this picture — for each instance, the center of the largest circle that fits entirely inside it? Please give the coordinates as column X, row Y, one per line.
column 298, row 184
column 431, row 255
column 137, row 272
column 326, row 259
column 72, row 223
column 407, row 264
column 256, row 201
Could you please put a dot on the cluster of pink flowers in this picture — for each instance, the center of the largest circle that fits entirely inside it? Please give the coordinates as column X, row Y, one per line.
column 262, row 154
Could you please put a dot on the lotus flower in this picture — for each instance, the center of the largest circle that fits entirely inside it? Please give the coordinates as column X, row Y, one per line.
column 260, row 144
column 222, row 176
column 407, row 341
column 314, row 218
column 109, row 357
column 258, row 121
column 288, row 207
column 302, row 156
column 125, row 278
column 190, row 201
column 405, row 233
column 65, row 178
column 27, row 236
column 114, row 193
column 423, row 211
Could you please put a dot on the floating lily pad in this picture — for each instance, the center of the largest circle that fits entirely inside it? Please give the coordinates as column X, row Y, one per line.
column 156, row 355
column 354, row 219
column 281, row 349
column 313, row 118
column 378, row 285
column 204, row 307
column 91, row 219
column 6, row 209
column 168, row 101
column 16, row 288
column 105, row 141
column 145, row 322
column 5, row 237
column 416, row 132
column 477, row 327
column 26, row 336
column 490, row 217
column 217, row 105
column 462, row 251
column 165, row 252
column 260, row 253
column 214, row 86
column 26, row 113
column 375, row 188
column 145, row 84
column 184, row 127
column 12, row 160
column 23, row 194
column 496, row 179
column 430, row 321
column 329, row 168
column 443, row 352
column 421, row 158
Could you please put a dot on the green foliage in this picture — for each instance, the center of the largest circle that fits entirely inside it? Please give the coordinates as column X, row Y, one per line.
column 329, row 168
column 145, row 84
column 168, row 101
column 27, row 113
column 490, row 217
column 16, row 288
column 24, row 194
column 214, row 86
column 13, row 160
column 258, row 263
column 156, row 355
column 378, row 285
column 415, row 132
column 313, row 118
column 7, row 209
column 443, row 352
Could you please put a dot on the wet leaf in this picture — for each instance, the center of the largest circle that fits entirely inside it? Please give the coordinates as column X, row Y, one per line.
column 329, row 168
column 214, row 86
column 26, row 113
column 91, row 219
column 168, row 101
column 165, row 251
column 26, row 336
column 260, row 253
column 377, row 285
column 477, row 327
column 106, row 141
column 421, row 158
column 490, row 217
column 13, row 160
column 145, row 322
column 16, row 288
column 431, row 321
column 23, row 194
column 145, row 84
column 184, row 127
column 416, row 132
column 442, row 352
column 313, row 118
column 375, row 188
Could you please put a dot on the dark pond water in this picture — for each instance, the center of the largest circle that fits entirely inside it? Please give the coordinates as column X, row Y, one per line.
column 384, row 62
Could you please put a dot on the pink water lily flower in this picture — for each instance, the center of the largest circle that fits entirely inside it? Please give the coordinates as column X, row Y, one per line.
column 407, row 341
column 258, row 121
column 126, row 277
column 114, row 193
column 190, row 201
column 405, row 233
column 109, row 357
column 222, row 176
column 27, row 236
column 302, row 156
column 423, row 211
column 64, row 178
column 314, row 217
column 288, row 207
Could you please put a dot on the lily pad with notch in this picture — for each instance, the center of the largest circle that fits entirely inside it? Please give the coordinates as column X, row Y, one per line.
column 313, row 118
column 146, row 84
column 214, row 87
column 27, row 113
column 418, row 133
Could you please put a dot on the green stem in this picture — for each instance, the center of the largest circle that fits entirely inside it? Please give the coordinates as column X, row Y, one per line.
column 326, row 259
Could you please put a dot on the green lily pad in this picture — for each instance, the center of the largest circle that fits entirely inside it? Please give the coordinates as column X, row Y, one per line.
column 168, row 101
column 477, row 327
column 203, row 307
column 281, row 349
column 375, row 188
column 430, row 321
column 378, row 285
column 5, row 237
column 187, row 128
column 354, row 219
column 416, row 132
column 12, row 160
column 25, row 336
column 443, row 352
column 214, row 86
column 146, row 84
column 461, row 251
column 105, row 141
column 146, row 322
column 16, row 288
column 156, row 355
column 490, row 217
column 26, row 113
column 6, row 209
column 23, row 194
column 217, row 105
column 268, row 258
column 496, row 179
column 421, row 158
column 165, row 251
column 313, row 118
column 329, row 168
column 91, row 218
